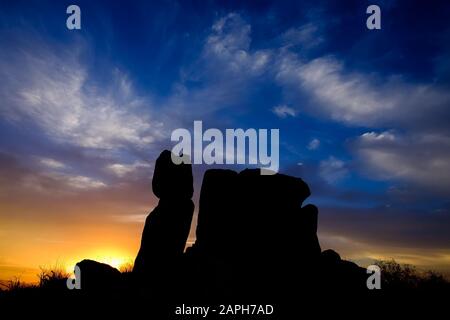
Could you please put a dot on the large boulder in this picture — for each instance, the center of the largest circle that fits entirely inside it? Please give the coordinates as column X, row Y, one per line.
column 338, row 275
column 96, row 276
column 252, row 230
column 217, row 208
column 170, row 180
column 269, row 212
column 167, row 227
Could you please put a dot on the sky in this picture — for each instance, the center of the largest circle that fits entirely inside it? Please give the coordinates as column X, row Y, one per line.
column 363, row 118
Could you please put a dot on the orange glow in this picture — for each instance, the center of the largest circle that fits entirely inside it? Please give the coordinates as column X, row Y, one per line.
column 89, row 231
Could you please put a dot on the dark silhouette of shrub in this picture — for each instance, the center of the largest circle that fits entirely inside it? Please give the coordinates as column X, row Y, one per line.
column 401, row 277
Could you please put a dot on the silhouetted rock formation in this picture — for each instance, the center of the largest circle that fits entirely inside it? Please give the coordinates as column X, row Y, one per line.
column 337, row 274
column 252, row 233
column 96, row 276
column 270, row 219
column 171, row 181
column 217, row 212
column 254, row 239
column 167, row 227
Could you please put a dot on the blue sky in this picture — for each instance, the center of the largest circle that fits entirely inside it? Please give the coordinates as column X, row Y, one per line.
column 363, row 114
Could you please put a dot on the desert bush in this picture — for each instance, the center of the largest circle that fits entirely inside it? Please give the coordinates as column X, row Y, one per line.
column 53, row 278
column 396, row 276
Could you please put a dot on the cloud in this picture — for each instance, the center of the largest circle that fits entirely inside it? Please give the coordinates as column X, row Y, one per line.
column 419, row 159
column 229, row 45
column 306, row 36
column 356, row 98
column 42, row 182
column 400, row 227
column 326, row 88
column 224, row 75
column 52, row 163
column 55, row 92
column 81, row 182
column 284, row 111
column 313, row 144
column 333, row 170
column 121, row 170
column 322, row 86
column 131, row 218
column 56, row 182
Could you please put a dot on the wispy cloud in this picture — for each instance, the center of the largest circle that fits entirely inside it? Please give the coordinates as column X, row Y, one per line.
column 59, row 96
column 307, row 36
column 60, row 183
column 284, row 111
column 420, row 159
column 333, row 170
column 121, row 169
column 52, row 163
column 81, row 182
column 229, row 45
column 223, row 73
column 131, row 218
column 314, row 144
column 360, row 99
